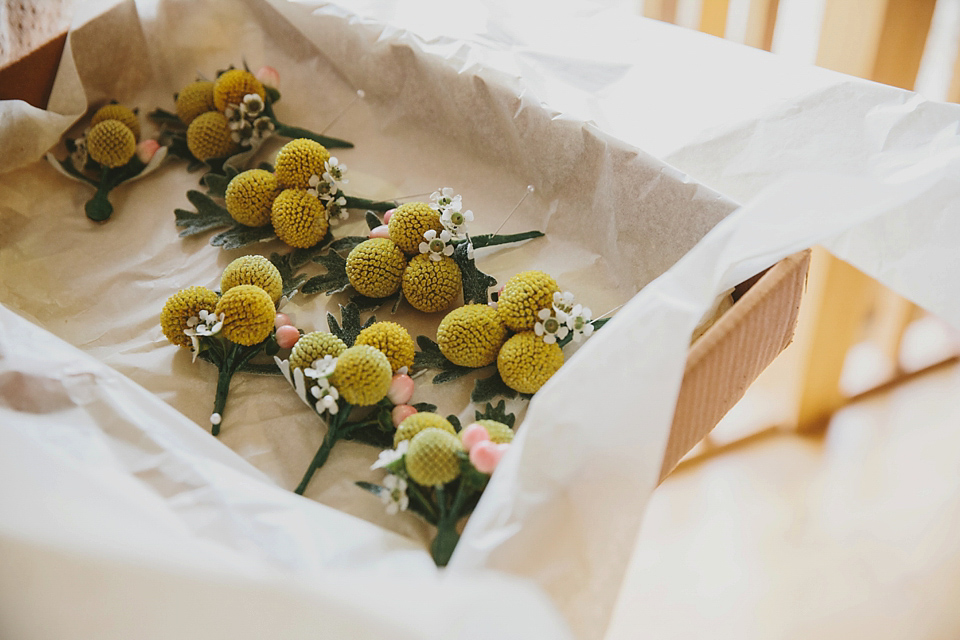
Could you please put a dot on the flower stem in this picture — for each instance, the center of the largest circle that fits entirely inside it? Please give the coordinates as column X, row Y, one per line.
column 333, row 434
column 220, row 400
column 492, row 239
column 364, row 203
column 288, row 131
column 98, row 207
column 447, row 537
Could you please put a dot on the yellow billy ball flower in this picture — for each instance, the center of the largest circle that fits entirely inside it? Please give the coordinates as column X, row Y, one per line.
column 408, row 224
column 120, row 113
column 524, row 295
column 418, row 422
column 431, row 285
column 180, row 307
column 314, row 346
column 432, row 457
column 255, row 270
column 471, row 336
column 194, row 99
column 111, row 143
column 250, row 197
column 248, row 314
column 392, row 340
column 375, row 267
column 499, row 432
column 208, row 136
column 299, row 219
column 230, row 87
column 362, row 375
column 298, row 161
column 526, row 362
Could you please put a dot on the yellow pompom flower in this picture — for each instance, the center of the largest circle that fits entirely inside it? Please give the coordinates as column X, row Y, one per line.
column 250, row 197
column 248, row 314
column 195, row 98
column 408, row 224
column 314, row 346
column 418, row 422
column 120, row 113
column 526, row 362
column 111, row 143
column 392, row 340
column 471, row 336
column 299, row 219
column 230, row 87
column 432, row 457
column 298, row 161
column 180, row 307
column 524, row 295
column 255, row 270
column 208, row 136
column 499, row 432
column 375, row 267
column 431, row 285
column 362, row 375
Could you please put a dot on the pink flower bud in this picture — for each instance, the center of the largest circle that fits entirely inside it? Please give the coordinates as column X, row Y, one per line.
column 474, row 435
column 146, row 150
column 281, row 320
column 269, row 76
column 383, row 231
column 388, row 214
column 401, row 389
column 485, row 456
column 287, row 336
column 401, row 412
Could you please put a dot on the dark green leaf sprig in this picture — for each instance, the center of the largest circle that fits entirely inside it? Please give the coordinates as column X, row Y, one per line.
column 119, row 163
column 174, row 134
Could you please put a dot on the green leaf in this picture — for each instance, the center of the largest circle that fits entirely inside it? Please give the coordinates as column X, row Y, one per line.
column 300, row 257
column 288, row 131
column 486, row 389
column 370, row 432
column 217, row 184
column 597, row 324
column 490, row 239
column 291, row 280
column 334, row 280
column 349, row 326
column 209, row 215
column 497, row 413
column 160, row 116
column 240, row 236
column 266, row 166
column 273, row 94
column 347, row 243
column 430, row 357
column 455, row 421
column 476, row 283
column 373, row 220
column 425, row 407
column 363, row 203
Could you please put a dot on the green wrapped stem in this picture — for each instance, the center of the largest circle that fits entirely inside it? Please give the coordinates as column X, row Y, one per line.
column 447, row 536
column 490, row 239
column 98, row 208
column 374, row 205
column 288, row 131
column 333, row 434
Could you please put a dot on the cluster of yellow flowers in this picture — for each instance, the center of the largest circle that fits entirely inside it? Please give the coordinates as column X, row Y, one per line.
column 203, row 105
column 286, row 198
column 113, row 135
column 378, row 267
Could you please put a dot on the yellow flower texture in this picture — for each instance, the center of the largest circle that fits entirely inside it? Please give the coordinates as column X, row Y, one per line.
column 111, row 143
column 418, row 422
column 499, row 432
column 248, row 314
column 375, row 268
column 526, row 362
column 182, row 306
column 255, row 270
column 250, row 197
column 314, row 346
column 208, row 136
column 471, row 336
column 299, row 219
column 121, row 114
column 230, row 87
column 523, row 296
column 408, row 224
column 194, row 99
column 298, row 161
column 432, row 457
column 392, row 340
column 362, row 375
column 431, row 285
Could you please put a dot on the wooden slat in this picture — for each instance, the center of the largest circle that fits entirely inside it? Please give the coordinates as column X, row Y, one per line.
column 902, row 40
column 665, row 10
column 954, row 93
column 761, row 23
column 713, row 17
